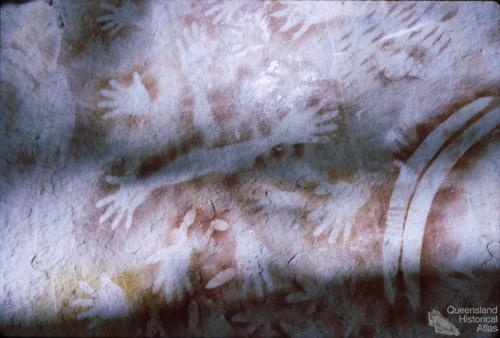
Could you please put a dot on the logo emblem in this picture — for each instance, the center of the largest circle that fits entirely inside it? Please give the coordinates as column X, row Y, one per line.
column 441, row 324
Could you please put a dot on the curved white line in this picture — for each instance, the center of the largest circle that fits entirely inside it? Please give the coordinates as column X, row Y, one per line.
column 407, row 181
column 426, row 189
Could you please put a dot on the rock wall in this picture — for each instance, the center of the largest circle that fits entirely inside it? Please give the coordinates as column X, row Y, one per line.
column 299, row 169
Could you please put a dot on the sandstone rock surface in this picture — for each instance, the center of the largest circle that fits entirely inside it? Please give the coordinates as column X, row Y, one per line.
column 247, row 168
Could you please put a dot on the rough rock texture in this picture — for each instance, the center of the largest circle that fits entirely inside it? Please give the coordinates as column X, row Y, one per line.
column 266, row 169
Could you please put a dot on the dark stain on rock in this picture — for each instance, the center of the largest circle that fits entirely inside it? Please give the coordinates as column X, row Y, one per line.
column 277, row 152
column 365, row 61
column 370, row 29
column 387, row 43
column 152, row 165
column 450, row 14
column 118, row 168
column 298, row 150
column 415, row 33
column 155, row 162
column 440, row 36
column 392, row 8
column 378, row 37
column 346, row 48
column 370, row 14
column 443, row 47
column 416, row 52
column 407, row 8
column 411, row 24
column 431, row 33
column 408, row 17
column 26, row 158
column 429, row 8
column 346, row 36
column 260, row 161
column 89, row 135
column 231, row 181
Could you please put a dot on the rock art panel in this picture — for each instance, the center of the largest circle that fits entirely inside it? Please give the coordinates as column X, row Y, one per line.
column 248, row 168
